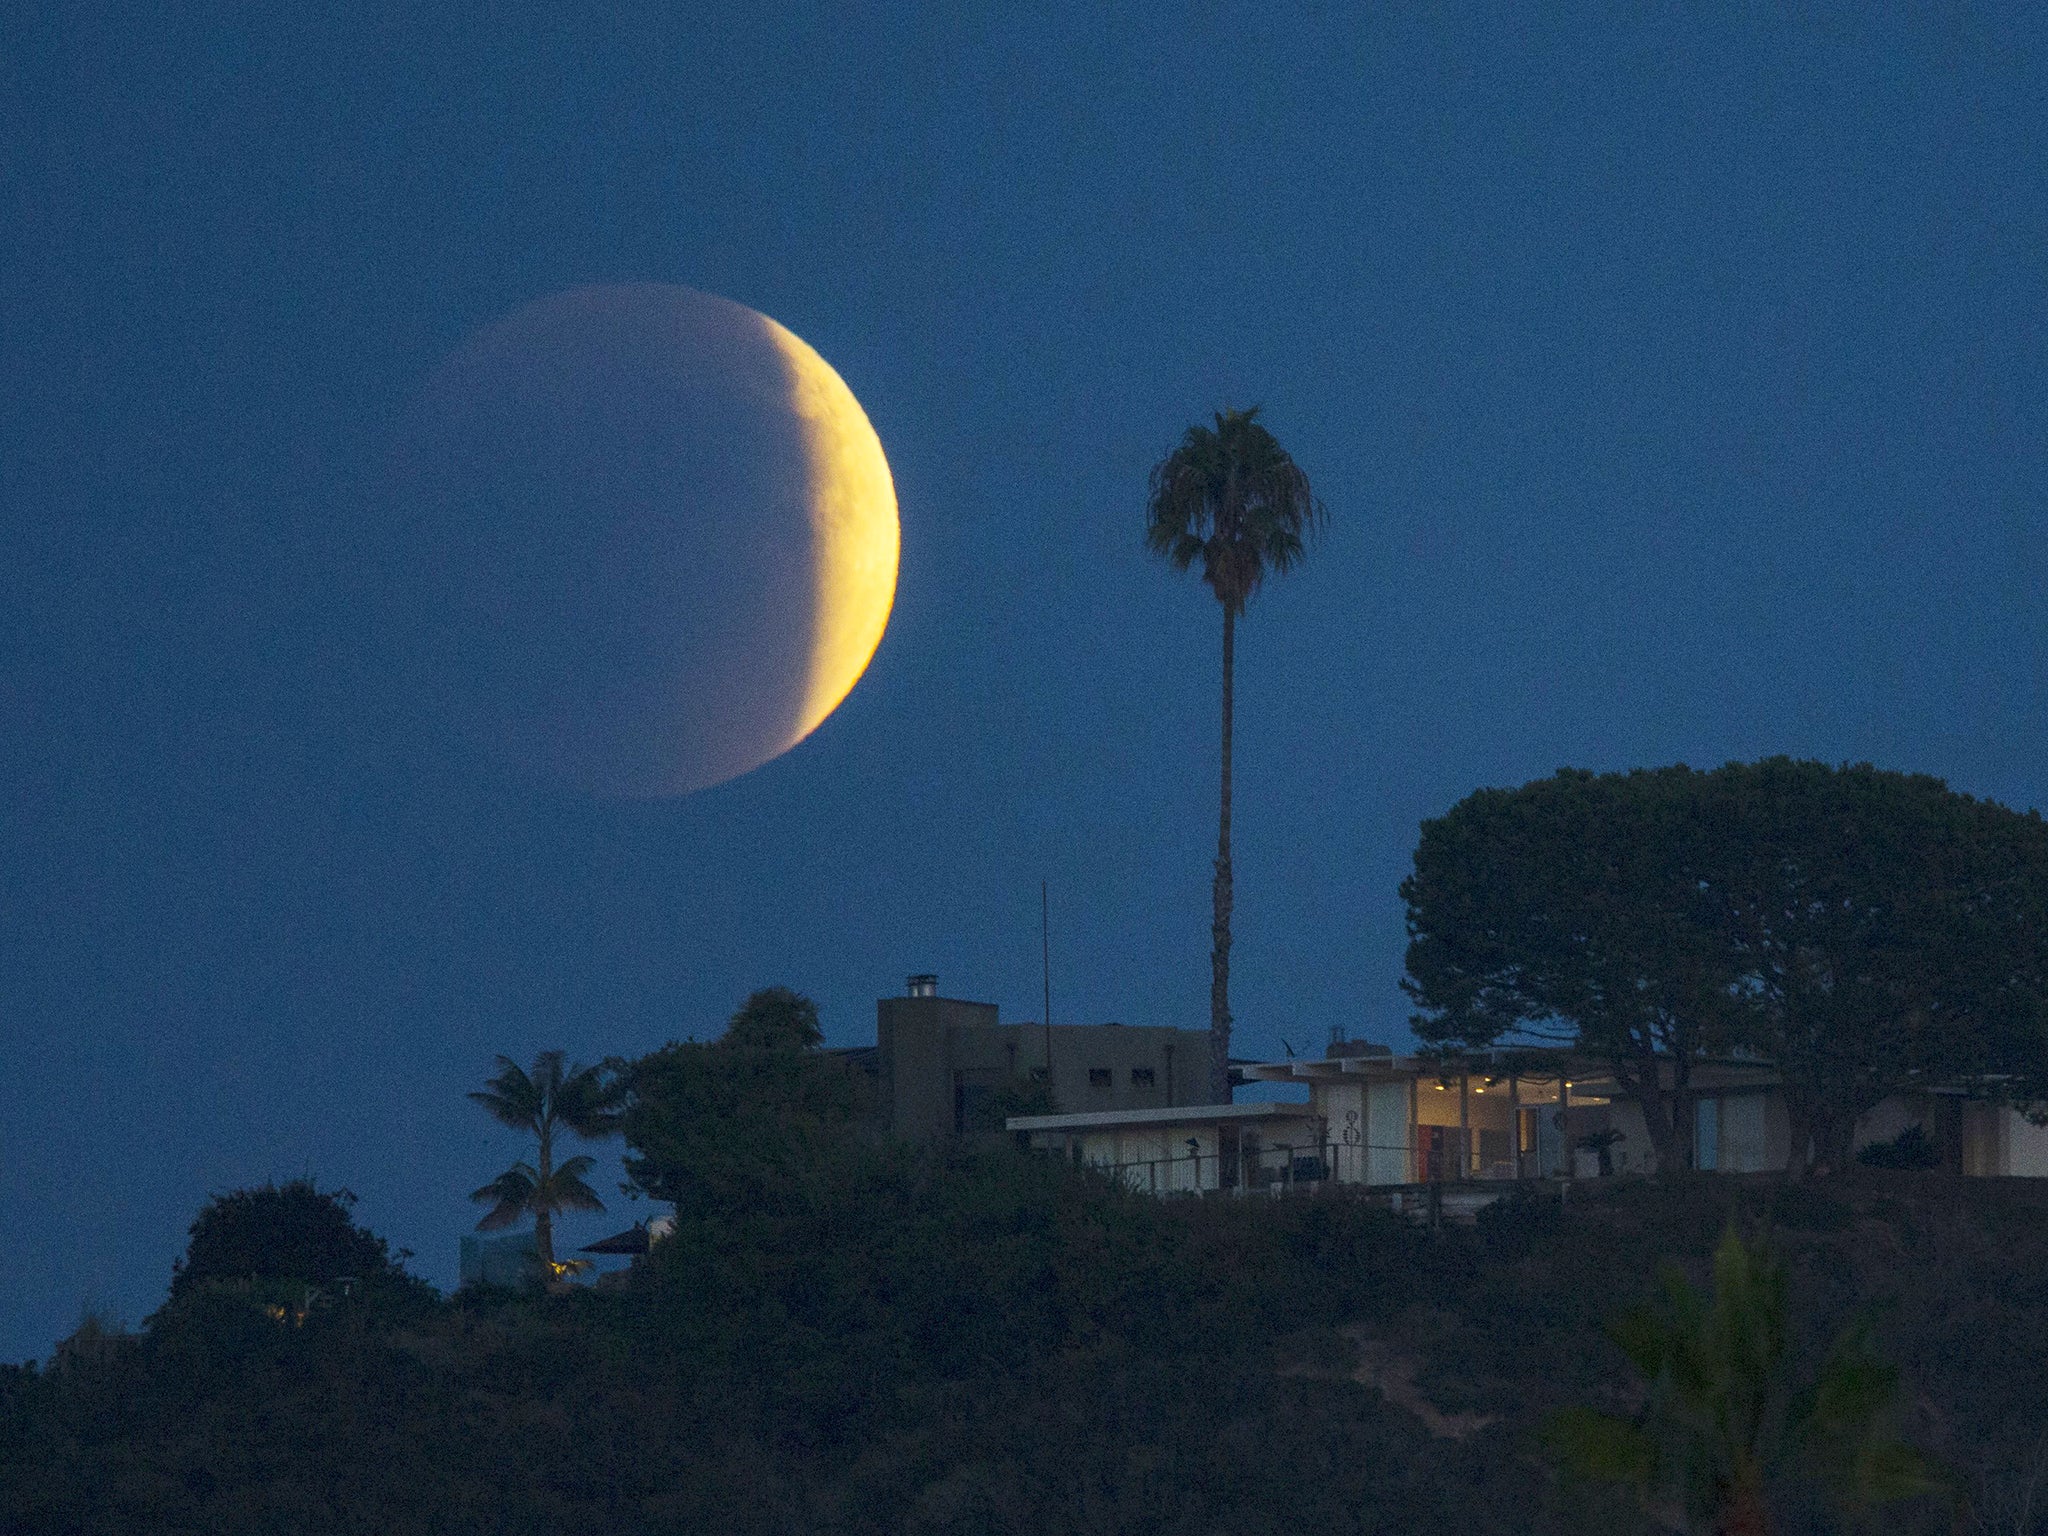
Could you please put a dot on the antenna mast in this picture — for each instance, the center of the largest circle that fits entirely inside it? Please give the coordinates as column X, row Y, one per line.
column 1045, row 963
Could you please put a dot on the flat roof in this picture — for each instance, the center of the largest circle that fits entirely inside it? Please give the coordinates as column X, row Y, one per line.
column 1186, row 1114
column 1530, row 1065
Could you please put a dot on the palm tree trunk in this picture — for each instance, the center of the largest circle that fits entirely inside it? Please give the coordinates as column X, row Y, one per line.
column 543, row 1218
column 544, row 1243
column 1219, row 927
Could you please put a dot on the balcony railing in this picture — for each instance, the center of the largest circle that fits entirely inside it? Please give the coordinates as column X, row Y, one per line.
column 1283, row 1166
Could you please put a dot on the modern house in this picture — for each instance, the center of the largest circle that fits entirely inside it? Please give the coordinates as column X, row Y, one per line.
column 942, row 1065
column 1373, row 1118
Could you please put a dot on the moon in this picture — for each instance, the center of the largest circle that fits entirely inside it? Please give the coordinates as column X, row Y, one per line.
column 645, row 538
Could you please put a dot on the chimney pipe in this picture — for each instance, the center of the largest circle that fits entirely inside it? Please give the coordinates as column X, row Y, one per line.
column 924, row 984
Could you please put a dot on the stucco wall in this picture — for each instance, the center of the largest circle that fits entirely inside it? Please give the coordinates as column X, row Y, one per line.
column 1388, row 1139
column 2026, row 1147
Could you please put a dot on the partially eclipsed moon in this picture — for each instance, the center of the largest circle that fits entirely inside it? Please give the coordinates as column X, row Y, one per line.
column 853, row 521
column 648, row 541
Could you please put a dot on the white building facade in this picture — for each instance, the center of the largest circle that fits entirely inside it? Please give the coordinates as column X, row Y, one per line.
column 1372, row 1118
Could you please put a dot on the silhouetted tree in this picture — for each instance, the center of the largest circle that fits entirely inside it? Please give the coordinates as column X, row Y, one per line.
column 96, row 1340
column 1570, row 910
column 292, row 1231
column 1863, row 931
column 774, row 1019
column 1886, row 928
column 553, row 1097
column 1230, row 498
column 757, row 1109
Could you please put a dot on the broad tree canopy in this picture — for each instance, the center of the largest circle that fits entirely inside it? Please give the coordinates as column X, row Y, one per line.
column 1866, row 931
column 775, row 1019
column 736, row 1120
column 292, row 1232
column 1888, row 932
column 1570, row 911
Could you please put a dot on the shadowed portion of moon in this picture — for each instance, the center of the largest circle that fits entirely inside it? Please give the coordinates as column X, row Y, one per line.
column 624, row 542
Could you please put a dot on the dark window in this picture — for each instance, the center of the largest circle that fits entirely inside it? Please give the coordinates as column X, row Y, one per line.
column 1098, row 1077
column 1141, row 1077
column 974, row 1109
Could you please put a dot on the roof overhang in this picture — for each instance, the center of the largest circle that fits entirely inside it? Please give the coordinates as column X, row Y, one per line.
column 1187, row 1114
column 1532, row 1063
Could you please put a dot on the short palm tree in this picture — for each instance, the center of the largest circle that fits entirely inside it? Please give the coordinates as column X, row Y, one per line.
column 1231, row 498
column 552, row 1097
column 1726, row 1419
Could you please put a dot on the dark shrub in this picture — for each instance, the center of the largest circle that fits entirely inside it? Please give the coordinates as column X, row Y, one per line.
column 1909, row 1149
column 292, row 1233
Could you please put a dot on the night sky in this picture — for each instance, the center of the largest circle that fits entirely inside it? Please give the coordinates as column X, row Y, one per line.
column 1675, row 385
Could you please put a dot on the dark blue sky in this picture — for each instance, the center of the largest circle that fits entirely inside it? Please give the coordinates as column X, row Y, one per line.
column 1675, row 384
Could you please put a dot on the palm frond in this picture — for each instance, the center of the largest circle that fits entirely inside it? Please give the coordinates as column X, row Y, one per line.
column 1643, row 1338
column 1231, row 497
column 566, row 1189
column 575, row 1195
column 515, row 1183
column 511, row 1097
column 575, row 1167
column 510, row 1195
column 589, row 1101
column 1725, row 1413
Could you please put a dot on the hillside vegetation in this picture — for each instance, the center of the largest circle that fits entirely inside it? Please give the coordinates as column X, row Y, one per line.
column 987, row 1342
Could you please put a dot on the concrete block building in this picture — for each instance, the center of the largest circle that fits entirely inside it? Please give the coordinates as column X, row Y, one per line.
column 942, row 1064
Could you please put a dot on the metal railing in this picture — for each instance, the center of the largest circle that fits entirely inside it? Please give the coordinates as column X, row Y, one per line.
column 1314, row 1165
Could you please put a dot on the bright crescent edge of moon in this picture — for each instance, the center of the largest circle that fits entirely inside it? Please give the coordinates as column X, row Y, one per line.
column 857, row 538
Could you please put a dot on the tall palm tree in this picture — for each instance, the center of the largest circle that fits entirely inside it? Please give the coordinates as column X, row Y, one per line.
column 583, row 1100
column 1726, row 1418
column 1231, row 498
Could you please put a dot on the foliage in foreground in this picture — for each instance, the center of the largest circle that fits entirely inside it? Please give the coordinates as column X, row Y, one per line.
column 983, row 1342
column 1726, row 1420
